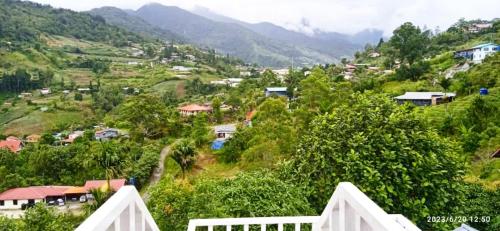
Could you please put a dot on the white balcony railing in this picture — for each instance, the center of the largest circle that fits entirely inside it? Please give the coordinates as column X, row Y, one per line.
column 124, row 211
column 348, row 210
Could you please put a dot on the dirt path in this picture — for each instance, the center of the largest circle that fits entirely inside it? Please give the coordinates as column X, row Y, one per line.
column 158, row 172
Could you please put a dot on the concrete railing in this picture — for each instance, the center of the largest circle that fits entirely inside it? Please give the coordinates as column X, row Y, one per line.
column 124, row 211
column 261, row 222
column 348, row 210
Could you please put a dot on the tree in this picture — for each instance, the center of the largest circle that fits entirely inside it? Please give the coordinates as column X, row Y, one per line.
column 41, row 218
column 146, row 115
column 268, row 78
column 199, row 132
column 184, row 153
column 253, row 194
column 386, row 151
column 410, row 43
column 216, row 104
column 78, row 97
column 108, row 158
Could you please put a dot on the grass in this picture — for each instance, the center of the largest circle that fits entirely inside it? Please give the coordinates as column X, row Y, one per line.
column 38, row 122
column 400, row 87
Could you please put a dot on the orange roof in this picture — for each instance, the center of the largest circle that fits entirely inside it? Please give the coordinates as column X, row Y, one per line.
column 33, row 192
column 195, row 107
column 250, row 115
column 76, row 190
column 116, row 184
column 13, row 145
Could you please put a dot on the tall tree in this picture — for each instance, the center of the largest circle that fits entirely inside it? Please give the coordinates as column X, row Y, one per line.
column 410, row 43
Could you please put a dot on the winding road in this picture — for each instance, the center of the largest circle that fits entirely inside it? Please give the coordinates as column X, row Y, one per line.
column 158, row 172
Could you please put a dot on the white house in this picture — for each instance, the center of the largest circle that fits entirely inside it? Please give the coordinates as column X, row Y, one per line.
column 45, row 91
column 481, row 51
column 181, row 68
column 225, row 131
column 16, row 197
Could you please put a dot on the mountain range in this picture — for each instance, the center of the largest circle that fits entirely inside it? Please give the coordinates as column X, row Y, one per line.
column 262, row 43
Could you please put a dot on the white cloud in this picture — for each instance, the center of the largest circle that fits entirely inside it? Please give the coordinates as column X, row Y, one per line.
column 347, row 16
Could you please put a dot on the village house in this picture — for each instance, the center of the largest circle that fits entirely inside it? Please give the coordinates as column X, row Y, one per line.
column 25, row 95
column 45, row 91
column 83, row 90
column 71, row 137
column 425, row 98
column 478, row 27
column 181, row 68
column 245, row 73
column 106, row 134
column 248, row 117
column 33, row 138
column 194, row 109
column 278, row 91
column 478, row 53
column 16, row 197
column 225, row 131
column 12, row 144
column 374, row 55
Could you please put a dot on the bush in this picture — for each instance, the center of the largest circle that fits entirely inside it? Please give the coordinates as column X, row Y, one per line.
column 247, row 195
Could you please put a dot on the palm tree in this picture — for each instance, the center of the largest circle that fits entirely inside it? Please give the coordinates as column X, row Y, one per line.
column 184, row 153
column 108, row 158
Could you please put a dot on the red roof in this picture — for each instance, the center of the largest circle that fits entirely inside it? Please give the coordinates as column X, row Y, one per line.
column 33, row 192
column 195, row 107
column 116, row 184
column 13, row 144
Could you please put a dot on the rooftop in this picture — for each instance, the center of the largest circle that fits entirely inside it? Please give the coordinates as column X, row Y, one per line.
column 423, row 95
column 225, row 128
column 116, row 184
column 195, row 107
column 276, row 89
column 33, row 192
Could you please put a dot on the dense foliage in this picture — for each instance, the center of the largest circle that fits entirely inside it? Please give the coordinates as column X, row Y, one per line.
column 247, row 195
column 76, row 163
column 385, row 150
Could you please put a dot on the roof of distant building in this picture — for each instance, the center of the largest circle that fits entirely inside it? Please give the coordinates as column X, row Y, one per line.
column 484, row 45
column 13, row 144
column 225, row 128
column 195, row 107
column 423, row 95
column 33, row 192
column 116, row 184
column 276, row 89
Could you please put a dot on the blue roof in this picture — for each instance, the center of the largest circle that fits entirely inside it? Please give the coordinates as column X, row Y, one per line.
column 218, row 144
column 484, row 45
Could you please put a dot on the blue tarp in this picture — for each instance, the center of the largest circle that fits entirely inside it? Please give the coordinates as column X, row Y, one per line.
column 217, row 144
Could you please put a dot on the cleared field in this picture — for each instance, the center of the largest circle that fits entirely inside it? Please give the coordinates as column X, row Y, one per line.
column 38, row 122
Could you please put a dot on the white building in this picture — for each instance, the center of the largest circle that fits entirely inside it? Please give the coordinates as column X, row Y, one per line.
column 481, row 51
column 16, row 197
column 45, row 91
column 225, row 131
column 181, row 68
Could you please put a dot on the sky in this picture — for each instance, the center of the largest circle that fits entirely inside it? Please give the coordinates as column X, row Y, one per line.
column 345, row 16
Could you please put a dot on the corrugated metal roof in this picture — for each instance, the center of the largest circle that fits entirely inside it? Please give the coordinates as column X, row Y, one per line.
column 225, row 128
column 276, row 89
column 484, row 45
column 33, row 192
column 422, row 95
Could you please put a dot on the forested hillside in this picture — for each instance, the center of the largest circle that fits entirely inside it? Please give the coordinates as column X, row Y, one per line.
column 26, row 21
